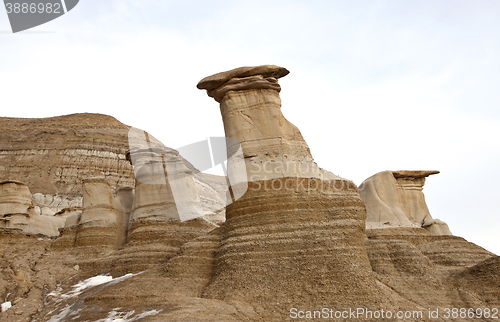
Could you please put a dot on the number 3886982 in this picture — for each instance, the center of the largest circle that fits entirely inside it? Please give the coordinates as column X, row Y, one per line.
column 33, row 7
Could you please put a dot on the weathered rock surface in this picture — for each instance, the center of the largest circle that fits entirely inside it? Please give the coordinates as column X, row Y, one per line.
column 294, row 218
column 251, row 110
column 395, row 199
column 17, row 211
column 295, row 239
column 53, row 155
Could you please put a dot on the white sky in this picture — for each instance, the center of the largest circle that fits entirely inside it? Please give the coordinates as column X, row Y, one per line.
column 373, row 85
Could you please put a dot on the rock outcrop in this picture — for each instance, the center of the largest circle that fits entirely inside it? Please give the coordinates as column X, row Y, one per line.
column 98, row 225
column 294, row 218
column 395, row 199
column 251, row 111
column 297, row 241
column 17, row 212
column 53, row 156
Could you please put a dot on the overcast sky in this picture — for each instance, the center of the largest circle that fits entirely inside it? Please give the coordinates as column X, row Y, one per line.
column 373, row 85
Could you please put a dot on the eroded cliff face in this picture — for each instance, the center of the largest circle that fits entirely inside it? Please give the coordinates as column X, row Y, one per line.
column 53, row 155
column 299, row 237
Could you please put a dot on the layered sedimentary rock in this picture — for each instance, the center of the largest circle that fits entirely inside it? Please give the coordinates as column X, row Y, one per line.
column 251, row 110
column 296, row 237
column 98, row 225
column 17, row 211
column 293, row 239
column 53, row 155
column 166, row 210
column 395, row 199
column 67, row 235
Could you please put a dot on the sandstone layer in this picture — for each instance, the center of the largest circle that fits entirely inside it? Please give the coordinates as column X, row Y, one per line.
column 395, row 199
column 17, row 212
column 53, row 156
column 295, row 239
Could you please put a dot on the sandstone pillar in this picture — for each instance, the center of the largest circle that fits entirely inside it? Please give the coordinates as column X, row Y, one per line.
column 296, row 238
column 16, row 205
column 410, row 185
column 98, row 222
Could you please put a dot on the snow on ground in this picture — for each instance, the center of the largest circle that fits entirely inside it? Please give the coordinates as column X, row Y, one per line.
column 71, row 310
column 89, row 283
column 6, row 306
column 116, row 316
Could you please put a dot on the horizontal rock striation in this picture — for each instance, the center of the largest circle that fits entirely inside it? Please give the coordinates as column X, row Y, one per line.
column 418, row 269
column 53, row 155
column 296, row 237
column 18, row 213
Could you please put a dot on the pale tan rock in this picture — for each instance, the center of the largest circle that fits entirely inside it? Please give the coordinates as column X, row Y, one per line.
column 288, row 242
column 383, row 203
column 124, row 199
column 67, row 236
column 251, row 111
column 165, row 187
column 269, row 253
column 98, row 222
column 73, row 219
column 53, row 155
column 17, row 211
column 153, row 200
column 217, row 80
column 410, row 185
column 436, row 226
column 45, row 225
column 395, row 199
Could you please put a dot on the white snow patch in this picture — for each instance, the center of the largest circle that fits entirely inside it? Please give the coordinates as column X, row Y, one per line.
column 6, row 306
column 89, row 283
column 116, row 316
column 64, row 313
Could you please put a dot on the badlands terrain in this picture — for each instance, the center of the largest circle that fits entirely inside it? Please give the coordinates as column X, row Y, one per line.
column 99, row 221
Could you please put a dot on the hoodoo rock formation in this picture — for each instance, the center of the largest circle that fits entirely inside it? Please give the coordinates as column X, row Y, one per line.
column 148, row 242
column 251, row 111
column 294, row 218
column 52, row 157
column 395, row 199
